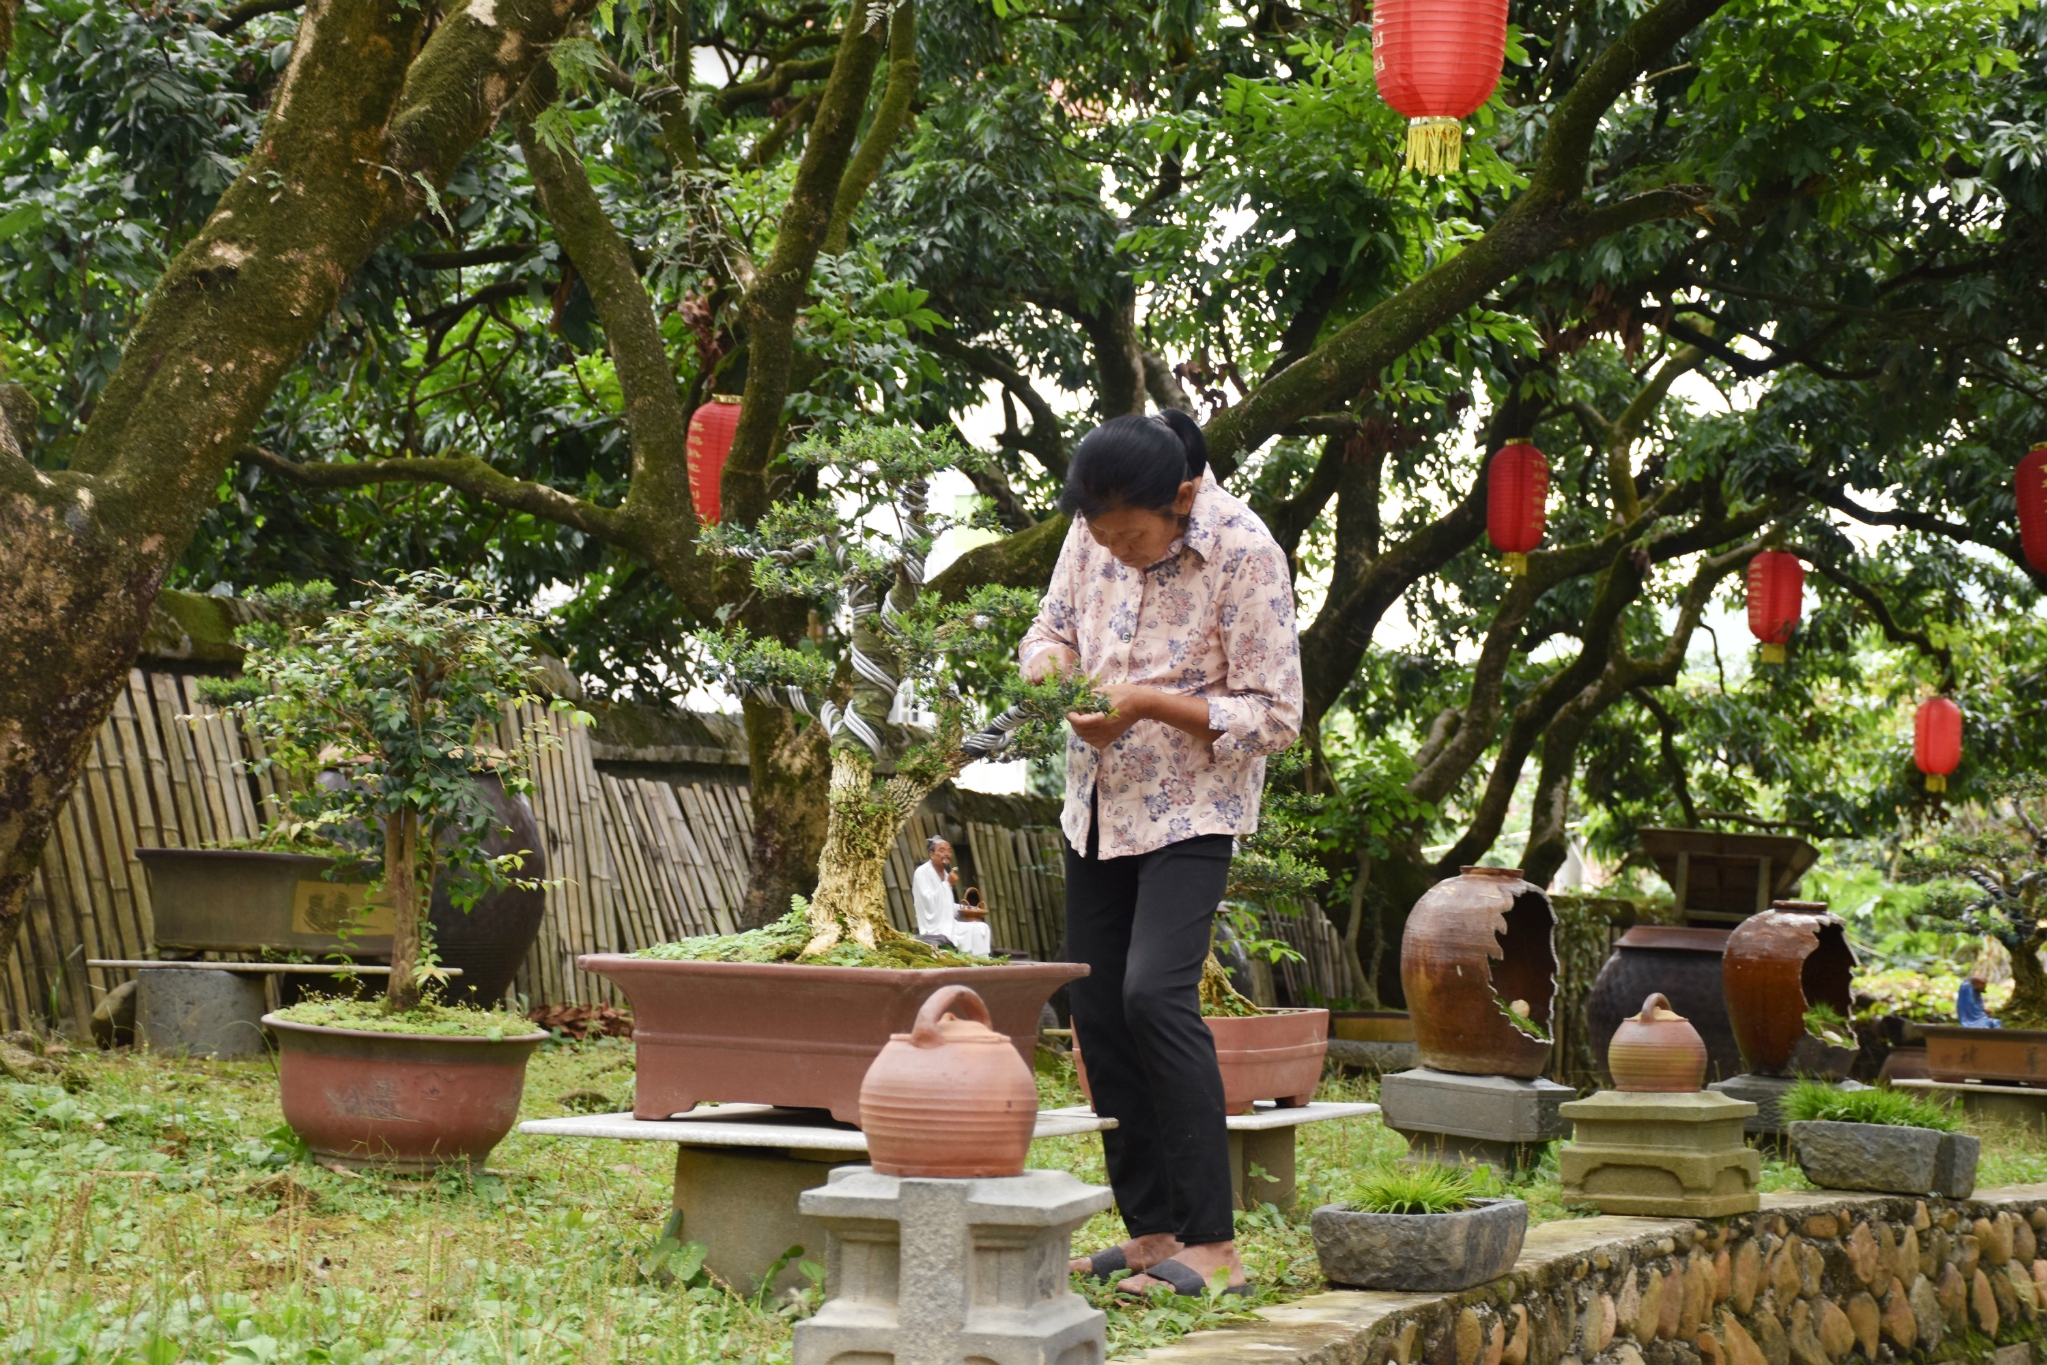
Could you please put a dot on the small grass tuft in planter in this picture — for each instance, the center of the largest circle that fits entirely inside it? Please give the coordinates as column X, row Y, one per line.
column 1416, row 1189
column 1420, row 1227
column 1818, row 1102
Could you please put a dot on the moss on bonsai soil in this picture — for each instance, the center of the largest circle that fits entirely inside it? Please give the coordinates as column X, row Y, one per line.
column 430, row 1018
column 785, row 939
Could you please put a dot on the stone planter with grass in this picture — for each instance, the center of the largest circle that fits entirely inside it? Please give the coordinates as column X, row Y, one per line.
column 1420, row 1228
column 1879, row 1140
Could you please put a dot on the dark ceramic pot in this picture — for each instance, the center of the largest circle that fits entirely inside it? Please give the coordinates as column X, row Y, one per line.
column 1472, row 942
column 1434, row 1252
column 490, row 941
column 1776, row 966
column 399, row 1101
column 1682, row 964
column 790, row 1034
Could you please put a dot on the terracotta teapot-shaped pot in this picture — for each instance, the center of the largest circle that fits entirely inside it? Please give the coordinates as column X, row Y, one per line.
column 1657, row 1051
column 952, row 1098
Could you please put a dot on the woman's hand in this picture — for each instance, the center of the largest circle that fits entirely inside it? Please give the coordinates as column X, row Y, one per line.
column 1056, row 662
column 1130, row 704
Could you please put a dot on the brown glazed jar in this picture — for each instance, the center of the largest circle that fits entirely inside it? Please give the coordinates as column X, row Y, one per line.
column 1777, row 965
column 951, row 1098
column 1475, row 945
column 1656, row 1052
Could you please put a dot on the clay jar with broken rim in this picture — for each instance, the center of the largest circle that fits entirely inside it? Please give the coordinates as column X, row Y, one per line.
column 1656, row 1052
column 1777, row 965
column 1474, row 944
column 950, row 1099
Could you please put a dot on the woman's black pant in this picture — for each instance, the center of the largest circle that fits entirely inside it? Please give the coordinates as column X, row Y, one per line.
column 1141, row 924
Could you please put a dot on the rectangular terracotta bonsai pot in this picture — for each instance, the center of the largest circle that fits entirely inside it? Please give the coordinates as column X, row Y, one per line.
column 1372, row 1026
column 2012, row 1056
column 793, row 1035
column 1273, row 1055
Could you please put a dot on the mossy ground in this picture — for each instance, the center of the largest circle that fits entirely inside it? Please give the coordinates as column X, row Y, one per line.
column 430, row 1018
column 154, row 1209
column 785, row 939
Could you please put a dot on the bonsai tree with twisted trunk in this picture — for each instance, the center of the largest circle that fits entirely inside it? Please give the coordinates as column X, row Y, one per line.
column 402, row 695
column 856, row 553
column 2001, row 864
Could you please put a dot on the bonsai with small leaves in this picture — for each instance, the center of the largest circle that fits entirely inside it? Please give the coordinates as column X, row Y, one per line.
column 1988, row 873
column 1267, row 871
column 382, row 717
column 856, row 552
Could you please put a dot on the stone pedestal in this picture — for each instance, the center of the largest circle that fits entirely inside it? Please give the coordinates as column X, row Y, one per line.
column 200, row 1013
column 1660, row 1156
column 1765, row 1093
column 935, row 1272
column 1463, row 1120
column 741, row 1204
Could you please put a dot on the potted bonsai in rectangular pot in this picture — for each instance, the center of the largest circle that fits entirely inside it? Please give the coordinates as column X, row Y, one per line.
column 383, row 718
column 1881, row 1140
column 793, row 1012
column 1419, row 1228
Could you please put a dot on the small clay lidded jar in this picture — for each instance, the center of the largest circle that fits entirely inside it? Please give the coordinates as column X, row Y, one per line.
column 952, row 1098
column 1657, row 1052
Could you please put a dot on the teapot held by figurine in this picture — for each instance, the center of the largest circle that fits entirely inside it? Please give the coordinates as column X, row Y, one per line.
column 1656, row 1051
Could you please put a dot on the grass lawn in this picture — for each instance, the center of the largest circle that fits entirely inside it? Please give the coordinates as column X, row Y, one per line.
column 155, row 1211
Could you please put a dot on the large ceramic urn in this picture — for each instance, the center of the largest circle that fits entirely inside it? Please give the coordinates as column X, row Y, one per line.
column 950, row 1099
column 1777, row 965
column 1478, row 946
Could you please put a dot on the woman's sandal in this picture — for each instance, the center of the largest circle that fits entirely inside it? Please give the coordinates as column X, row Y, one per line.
column 1103, row 1264
column 1187, row 1282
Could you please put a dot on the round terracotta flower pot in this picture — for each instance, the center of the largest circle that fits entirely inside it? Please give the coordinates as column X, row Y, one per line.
column 791, row 1034
column 399, row 1101
column 1417, row 1252
column 1273, row 1055
column 1777, row 965
column 1472, row 942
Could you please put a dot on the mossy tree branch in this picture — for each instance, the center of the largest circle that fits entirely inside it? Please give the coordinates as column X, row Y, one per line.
column 891, row 116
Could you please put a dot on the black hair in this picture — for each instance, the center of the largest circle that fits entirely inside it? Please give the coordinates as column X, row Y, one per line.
column 1134, row 462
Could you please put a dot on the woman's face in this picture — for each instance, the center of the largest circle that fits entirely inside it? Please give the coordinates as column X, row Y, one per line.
column 1138, row 536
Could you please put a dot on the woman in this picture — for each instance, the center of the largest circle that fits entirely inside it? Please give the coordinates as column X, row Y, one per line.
column 1175, row 599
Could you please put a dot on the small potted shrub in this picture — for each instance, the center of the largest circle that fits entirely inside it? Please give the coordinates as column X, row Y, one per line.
column 383, row 717
column 1880, row 1140
column 1419, row 1227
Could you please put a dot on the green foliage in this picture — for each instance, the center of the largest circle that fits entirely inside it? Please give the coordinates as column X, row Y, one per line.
column 1420, row 1188
column 1522, row 1020
column 1817, row 1102
column 429, row 1017
column 401, row 697
column 784, row 940
column 1824, row 1022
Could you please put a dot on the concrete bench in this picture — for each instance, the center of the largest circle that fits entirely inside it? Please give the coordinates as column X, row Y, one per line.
column 740, row 1169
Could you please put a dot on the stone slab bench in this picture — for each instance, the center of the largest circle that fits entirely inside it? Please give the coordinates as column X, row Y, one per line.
column 740, row 1169
column 211, row 1009
column 1815, row 1276
column 2023, row 1105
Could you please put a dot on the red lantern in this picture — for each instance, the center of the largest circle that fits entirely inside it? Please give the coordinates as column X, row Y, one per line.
column 711, row 428
column 1517, row 494
column 1937, row 741
column 1437, row 62
column 2031, row 487
column 1776, row 597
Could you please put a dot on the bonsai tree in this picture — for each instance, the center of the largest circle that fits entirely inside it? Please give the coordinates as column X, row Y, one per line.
column 382, row 717
column 1988, row 873
column 855, row 551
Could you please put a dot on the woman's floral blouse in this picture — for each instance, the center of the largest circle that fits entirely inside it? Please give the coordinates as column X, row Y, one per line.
column 1214, row 619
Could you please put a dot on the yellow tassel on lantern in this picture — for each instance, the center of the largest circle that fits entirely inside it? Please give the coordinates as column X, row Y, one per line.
column 1517, row 565
column 1773, row 654
column 1936, row 782
column 1435, row 146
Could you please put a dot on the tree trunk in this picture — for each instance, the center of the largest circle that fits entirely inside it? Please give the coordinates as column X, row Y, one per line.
column 864, row 821
column 401, row 884
column 790, row 773
column 1365, row 969
column 2027, row 1007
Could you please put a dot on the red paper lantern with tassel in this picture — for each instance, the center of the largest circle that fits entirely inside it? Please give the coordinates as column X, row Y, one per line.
column 1776, row 599
column 711, row 428
column 1517, row 498
column 1437, row 62
column 2030, row 484
column 1937, row 741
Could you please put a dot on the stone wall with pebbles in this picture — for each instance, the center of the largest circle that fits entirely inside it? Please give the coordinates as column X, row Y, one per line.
column 1813, row 1279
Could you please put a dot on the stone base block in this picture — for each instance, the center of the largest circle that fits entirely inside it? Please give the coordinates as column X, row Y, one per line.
column 1679, row 1156
column 1765, row 1093
column 200, row 1013
column 934, row 1272
column 1458, row 1120
column 1262, row 1167
column 740, row 1202
column 1376, row 1057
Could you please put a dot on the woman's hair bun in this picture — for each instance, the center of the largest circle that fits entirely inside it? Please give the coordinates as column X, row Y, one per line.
column 1134, row 462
